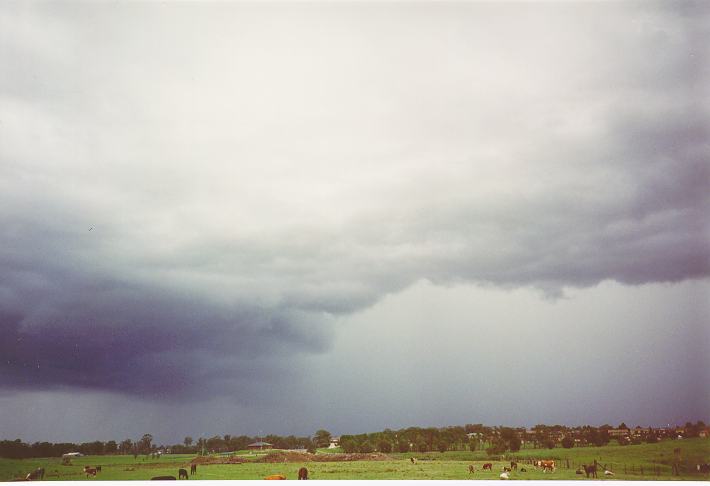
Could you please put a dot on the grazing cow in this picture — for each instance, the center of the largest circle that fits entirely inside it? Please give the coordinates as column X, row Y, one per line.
column 471, row 469
column 488, row 465
column 89, row 471
column 590, row 470
column 504, row 475
column 703, row 468
column 522, row 469
column 506, row 469
column 163, row 478
column 413, row 459
column 513, row 465
column 303, row 473
column 608, row 473
column 193, row 469
column 182, row 473
column 275, row 476
column 547, row 465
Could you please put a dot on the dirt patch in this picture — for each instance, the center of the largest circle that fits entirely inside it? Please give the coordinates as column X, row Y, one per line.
column 206, row 460
column 374, row 456
column 288, row 456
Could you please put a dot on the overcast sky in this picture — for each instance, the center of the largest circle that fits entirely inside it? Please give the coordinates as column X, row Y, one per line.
column 274, row 218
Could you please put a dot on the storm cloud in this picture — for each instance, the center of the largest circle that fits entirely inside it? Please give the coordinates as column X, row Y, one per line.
column 195, row 197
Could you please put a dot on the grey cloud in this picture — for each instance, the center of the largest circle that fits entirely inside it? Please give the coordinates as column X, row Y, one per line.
column 238, row 211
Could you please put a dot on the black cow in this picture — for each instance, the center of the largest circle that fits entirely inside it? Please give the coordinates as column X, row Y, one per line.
column 182, row 473
column 513, row 465
column 193, row 469
column 303, row 473
column 163, row 478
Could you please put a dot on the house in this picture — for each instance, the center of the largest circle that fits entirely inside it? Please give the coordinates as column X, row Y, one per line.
column 618, row 432
column 334, row 442
column 73, row 454
column 259, row 446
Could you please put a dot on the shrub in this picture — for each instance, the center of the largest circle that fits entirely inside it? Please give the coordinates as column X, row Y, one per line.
column 443, row 447
column 568, row 442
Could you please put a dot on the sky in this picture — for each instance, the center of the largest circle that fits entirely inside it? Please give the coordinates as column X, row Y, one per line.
column 242, row 218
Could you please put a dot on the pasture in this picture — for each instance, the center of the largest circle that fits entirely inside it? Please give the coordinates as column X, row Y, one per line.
column 627, row 462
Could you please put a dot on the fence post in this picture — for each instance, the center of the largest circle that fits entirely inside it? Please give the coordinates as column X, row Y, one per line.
column 641, row 470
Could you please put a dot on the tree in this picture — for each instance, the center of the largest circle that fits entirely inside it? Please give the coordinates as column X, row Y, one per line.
column 366, row 447
column 126, row 446
column 568, row 442
column 384, row 446
column 144, row 444
column 548, row 443
column 187, row 441
column 443, row 447
column 348, row 444
column 514, row 443
column 322, row 438
column 403, row 446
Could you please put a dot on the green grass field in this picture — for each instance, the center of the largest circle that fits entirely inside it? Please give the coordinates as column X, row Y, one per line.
column 626, row 462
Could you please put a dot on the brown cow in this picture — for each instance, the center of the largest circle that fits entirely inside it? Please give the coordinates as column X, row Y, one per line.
column 303, row 473
column 182, row 473
column 89, row 471
column 488, row 465
column 548, row 465
column 275, row 476
column 193, row 469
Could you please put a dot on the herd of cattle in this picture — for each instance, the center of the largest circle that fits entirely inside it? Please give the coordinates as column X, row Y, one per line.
column 544, row 465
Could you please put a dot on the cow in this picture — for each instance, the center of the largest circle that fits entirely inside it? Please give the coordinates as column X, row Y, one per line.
column 275, row 476
column 89, row 471
column 471, row 469
column 98, row 469
column 547, row 465
column 504, row 475
column 522, row 469
column 608, row 473
column 703, row 468
column 303, row 474
column 413, row 459
column 163, row 478
column 182, row 473
column 590, row 470
column 193, row 469
column 513, row 465
column 488, row 465
column 506, row 469
column 36, row 475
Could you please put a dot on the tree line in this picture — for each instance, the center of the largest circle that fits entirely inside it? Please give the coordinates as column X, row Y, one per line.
column 494, row 440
